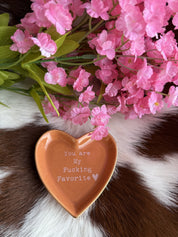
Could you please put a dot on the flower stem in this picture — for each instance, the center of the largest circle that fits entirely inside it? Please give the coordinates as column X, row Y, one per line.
column 90, row 31
column 102, row 90
column 85, row 56
column 90, row 24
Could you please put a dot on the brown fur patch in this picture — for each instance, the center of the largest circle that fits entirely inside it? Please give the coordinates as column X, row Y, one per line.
column 127, row 209
column 162, row 140
column 20, row 190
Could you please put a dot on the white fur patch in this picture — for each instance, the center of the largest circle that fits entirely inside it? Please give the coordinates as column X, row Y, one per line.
column 20, row 111
column 128, row 133
column 48, row 219
column 160, row 177
column 4, row 173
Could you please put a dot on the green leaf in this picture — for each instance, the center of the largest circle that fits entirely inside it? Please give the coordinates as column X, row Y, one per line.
column 5, row 33
column 58, row 89
column 67, row 47
column 76, row 36
column 54, row 34
column 12, row 63
column 59, row 42
column 59, row 39
column 18, row 69
column 1, row 81
column 4, row 19
column 8, row 83
column 5, row 75
column 52, row 31
column 37, row 99
column 1, row 103
column 32, row 57
column 37, row 74
column 6, row 54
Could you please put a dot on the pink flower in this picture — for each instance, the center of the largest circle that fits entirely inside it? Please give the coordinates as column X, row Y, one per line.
column 109, row 4
column 129, row 84
column 131, row 22
column 155, row 102
column 172, row 98
column 77, row 8
column 80, row 115
column 142, row 107
column 154, row 21
column 73, row 75
column 48, row 108
column 113, row 88
column 29, row 23
column 171, row 70
column 167, row 45
column 97, row 9
column 82, row 80
column 167, row 74
column 128, row 64
column 39, row 10
column 112, row 109
column 87, row 95
column 56, row 76
column 47, row 45
column 151, row 49
column 125, row 3
column 64, row 3
column 68, row 106
column 100, row 116
column 137, row 47
column 110, row 100
column 134, row 98
column 22, row 41
column 108, row 71
column 49, row 65
column 99, row 133
column 105, row 45
column 122, row 104
column 59, row 16
column 175, row 21
column 173, row 5
column 143, row 76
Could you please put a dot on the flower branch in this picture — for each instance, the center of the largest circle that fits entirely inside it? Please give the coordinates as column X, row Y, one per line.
column 94, row 59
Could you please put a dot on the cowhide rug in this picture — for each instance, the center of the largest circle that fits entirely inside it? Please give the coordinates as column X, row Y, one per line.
column 141, row 200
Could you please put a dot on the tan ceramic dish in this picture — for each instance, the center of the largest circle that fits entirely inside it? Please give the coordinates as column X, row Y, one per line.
column 75, row 171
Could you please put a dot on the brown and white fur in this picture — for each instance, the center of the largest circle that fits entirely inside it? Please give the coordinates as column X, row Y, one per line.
column 141, row 200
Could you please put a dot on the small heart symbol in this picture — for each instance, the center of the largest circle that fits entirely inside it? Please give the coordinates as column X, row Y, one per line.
column 95, row 176
column 75, row 171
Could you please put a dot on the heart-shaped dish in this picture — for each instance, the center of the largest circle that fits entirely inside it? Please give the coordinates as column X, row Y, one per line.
column 75, row 171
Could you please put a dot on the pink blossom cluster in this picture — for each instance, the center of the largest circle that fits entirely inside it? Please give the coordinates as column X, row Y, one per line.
column 136, row 57
column 45, row 13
